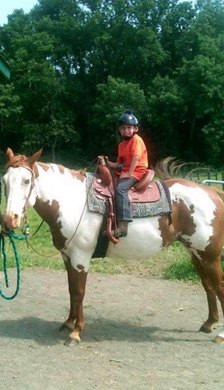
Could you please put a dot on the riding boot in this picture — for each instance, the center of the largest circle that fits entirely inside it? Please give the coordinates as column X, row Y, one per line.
column 122, row 229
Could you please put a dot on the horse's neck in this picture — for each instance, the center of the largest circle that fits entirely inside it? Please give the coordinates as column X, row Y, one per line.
column 59, row 187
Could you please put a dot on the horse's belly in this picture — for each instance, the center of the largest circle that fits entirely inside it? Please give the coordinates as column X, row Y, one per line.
column 143, row 240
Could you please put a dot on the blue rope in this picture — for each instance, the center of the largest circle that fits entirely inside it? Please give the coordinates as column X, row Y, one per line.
column 11, row 235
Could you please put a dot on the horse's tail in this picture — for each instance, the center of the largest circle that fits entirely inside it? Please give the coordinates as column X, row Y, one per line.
column 168, row 168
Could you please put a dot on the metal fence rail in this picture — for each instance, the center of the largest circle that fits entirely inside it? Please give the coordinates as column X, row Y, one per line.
column 210, row 181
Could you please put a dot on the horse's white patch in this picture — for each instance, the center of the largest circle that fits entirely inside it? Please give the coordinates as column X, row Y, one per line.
column 143, row 240
column 202, row 210
column 65, row 189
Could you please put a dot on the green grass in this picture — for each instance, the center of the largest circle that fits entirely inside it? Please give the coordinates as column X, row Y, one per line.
column 172, row 263
column 41, row 253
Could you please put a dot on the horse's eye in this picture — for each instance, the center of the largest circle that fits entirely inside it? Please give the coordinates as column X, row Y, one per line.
column 27, row 181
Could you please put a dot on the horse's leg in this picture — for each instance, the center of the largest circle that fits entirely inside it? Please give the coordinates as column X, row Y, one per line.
column 76, row 284
column 213, row 315
column 215, row 272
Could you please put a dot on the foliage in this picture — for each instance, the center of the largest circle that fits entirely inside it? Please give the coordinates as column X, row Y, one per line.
column 76, row 65
column 113, row 98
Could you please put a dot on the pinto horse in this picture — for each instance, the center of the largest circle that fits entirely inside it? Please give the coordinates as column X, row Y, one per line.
column 59, row 196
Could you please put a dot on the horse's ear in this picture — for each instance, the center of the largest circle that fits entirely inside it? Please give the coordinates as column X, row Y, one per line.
column 35, row 157
column 9, row 154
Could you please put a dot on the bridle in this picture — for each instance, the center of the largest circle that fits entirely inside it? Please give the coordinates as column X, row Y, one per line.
column 31, row 184
column 31, row 187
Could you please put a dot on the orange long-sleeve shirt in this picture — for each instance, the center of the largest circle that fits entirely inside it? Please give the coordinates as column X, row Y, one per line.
column 127, row 149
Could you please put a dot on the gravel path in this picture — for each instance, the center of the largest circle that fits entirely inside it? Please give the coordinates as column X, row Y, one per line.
column 140, row 333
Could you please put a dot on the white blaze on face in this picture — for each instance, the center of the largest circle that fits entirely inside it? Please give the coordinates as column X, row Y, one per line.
column 202, row 210
column 18, row 184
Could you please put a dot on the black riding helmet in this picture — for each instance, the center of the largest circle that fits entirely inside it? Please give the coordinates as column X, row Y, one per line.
column 128, row 118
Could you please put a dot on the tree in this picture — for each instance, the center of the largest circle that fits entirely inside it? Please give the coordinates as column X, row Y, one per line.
column 76, row 65
column 10, row 108
column 114, row 97
column 40, row 85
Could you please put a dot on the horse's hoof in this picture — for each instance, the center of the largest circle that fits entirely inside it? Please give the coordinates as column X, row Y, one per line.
column 205, row 329
column 219, row 340
column 70, row 341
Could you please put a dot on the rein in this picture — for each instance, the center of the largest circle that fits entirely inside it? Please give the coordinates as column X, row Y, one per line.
column 11, row 235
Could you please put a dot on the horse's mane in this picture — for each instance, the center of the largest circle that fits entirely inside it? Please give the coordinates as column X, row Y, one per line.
column 20, row 160
column 80, row 174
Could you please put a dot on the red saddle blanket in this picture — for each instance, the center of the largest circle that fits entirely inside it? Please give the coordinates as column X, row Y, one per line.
column 150, row 194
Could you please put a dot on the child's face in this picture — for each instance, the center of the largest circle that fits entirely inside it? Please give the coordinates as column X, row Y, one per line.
column 127, row 130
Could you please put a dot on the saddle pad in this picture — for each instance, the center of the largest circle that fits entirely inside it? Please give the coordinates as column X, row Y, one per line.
column 150, row 209
column 139, row 210
column 95, row 204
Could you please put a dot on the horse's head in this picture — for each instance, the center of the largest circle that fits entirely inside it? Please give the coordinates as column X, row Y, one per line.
column 19, row 181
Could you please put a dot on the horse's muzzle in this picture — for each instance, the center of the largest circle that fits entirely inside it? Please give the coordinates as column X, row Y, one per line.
column 11, row 221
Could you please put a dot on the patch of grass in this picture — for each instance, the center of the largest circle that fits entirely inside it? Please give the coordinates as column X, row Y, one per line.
column 182, row 270
column 173, row 263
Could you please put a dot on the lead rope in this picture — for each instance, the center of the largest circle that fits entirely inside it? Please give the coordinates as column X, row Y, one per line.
column 11, row 235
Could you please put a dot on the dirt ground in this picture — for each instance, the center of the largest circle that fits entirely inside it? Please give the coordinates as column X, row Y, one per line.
column 140, row 333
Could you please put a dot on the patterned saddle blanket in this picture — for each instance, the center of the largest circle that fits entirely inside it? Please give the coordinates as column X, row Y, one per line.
column 154, row 200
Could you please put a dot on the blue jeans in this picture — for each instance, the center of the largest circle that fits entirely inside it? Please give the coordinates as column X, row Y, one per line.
column 123, row 207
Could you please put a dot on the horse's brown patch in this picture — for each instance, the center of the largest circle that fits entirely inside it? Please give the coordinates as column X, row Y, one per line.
column 49, row 213
column 178, row 226
column 16, row 161
column 80, row 175
column 61, row 168
column 166, row 227
column 217, row 238
column 44, row 166
column 185, row 224
column 20, row 160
